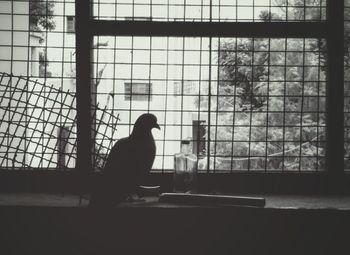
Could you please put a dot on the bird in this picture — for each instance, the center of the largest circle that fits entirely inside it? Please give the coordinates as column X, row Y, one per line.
column 127, row 165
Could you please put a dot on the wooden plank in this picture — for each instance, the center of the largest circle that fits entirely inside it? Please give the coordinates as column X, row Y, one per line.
column 205, row 199
column 210, row 29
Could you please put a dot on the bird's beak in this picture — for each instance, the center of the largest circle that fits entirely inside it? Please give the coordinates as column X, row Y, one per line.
column 157, row 126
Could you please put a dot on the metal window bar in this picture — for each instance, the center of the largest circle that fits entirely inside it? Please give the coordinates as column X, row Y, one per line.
column 251, row 109
column 166, row 99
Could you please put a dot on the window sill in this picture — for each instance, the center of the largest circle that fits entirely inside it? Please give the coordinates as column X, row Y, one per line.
column 275, row 202
column 313, row 183
column 54, row 224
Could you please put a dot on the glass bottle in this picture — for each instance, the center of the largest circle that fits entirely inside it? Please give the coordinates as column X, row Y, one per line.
column 185, row 174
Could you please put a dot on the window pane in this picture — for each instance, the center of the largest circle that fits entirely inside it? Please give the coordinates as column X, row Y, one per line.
column 211, row 10
column 244, row 103
column 37, row 84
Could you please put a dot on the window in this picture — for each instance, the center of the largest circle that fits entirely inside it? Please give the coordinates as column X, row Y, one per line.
column 253, row 84
column 263, row 96
column 138, row 91
column 37, row 95
column 70, row 24
column 261, row 99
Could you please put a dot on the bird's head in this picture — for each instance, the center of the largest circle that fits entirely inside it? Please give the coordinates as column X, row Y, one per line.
column 146, row 121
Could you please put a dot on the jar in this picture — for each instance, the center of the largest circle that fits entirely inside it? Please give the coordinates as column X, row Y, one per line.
column 185, row 174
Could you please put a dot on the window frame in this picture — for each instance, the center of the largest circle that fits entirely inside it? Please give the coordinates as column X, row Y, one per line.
column 332, row 29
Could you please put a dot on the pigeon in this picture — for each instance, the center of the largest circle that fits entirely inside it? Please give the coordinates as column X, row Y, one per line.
column 127, row 165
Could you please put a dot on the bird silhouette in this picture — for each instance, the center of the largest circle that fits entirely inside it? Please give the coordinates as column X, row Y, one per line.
column 128, row 163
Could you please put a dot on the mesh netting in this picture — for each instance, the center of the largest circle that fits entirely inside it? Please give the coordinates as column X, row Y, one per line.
column 38, row 126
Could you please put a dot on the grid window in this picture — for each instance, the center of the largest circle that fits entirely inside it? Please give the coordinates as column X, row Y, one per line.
column 37, row 84
column 260, row 101
column 246, row 103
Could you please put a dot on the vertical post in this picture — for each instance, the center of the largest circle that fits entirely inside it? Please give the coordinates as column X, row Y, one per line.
column 83, row 14
column 335, row 89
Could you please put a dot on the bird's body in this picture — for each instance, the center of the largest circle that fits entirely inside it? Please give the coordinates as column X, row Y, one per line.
column 128, row 163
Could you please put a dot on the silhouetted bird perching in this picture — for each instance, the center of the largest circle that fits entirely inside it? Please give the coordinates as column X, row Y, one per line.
column 128, row 163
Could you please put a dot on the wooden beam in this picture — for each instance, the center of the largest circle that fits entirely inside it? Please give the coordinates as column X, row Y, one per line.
column 335, row 89
column 83, row 89
column 210, row 29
